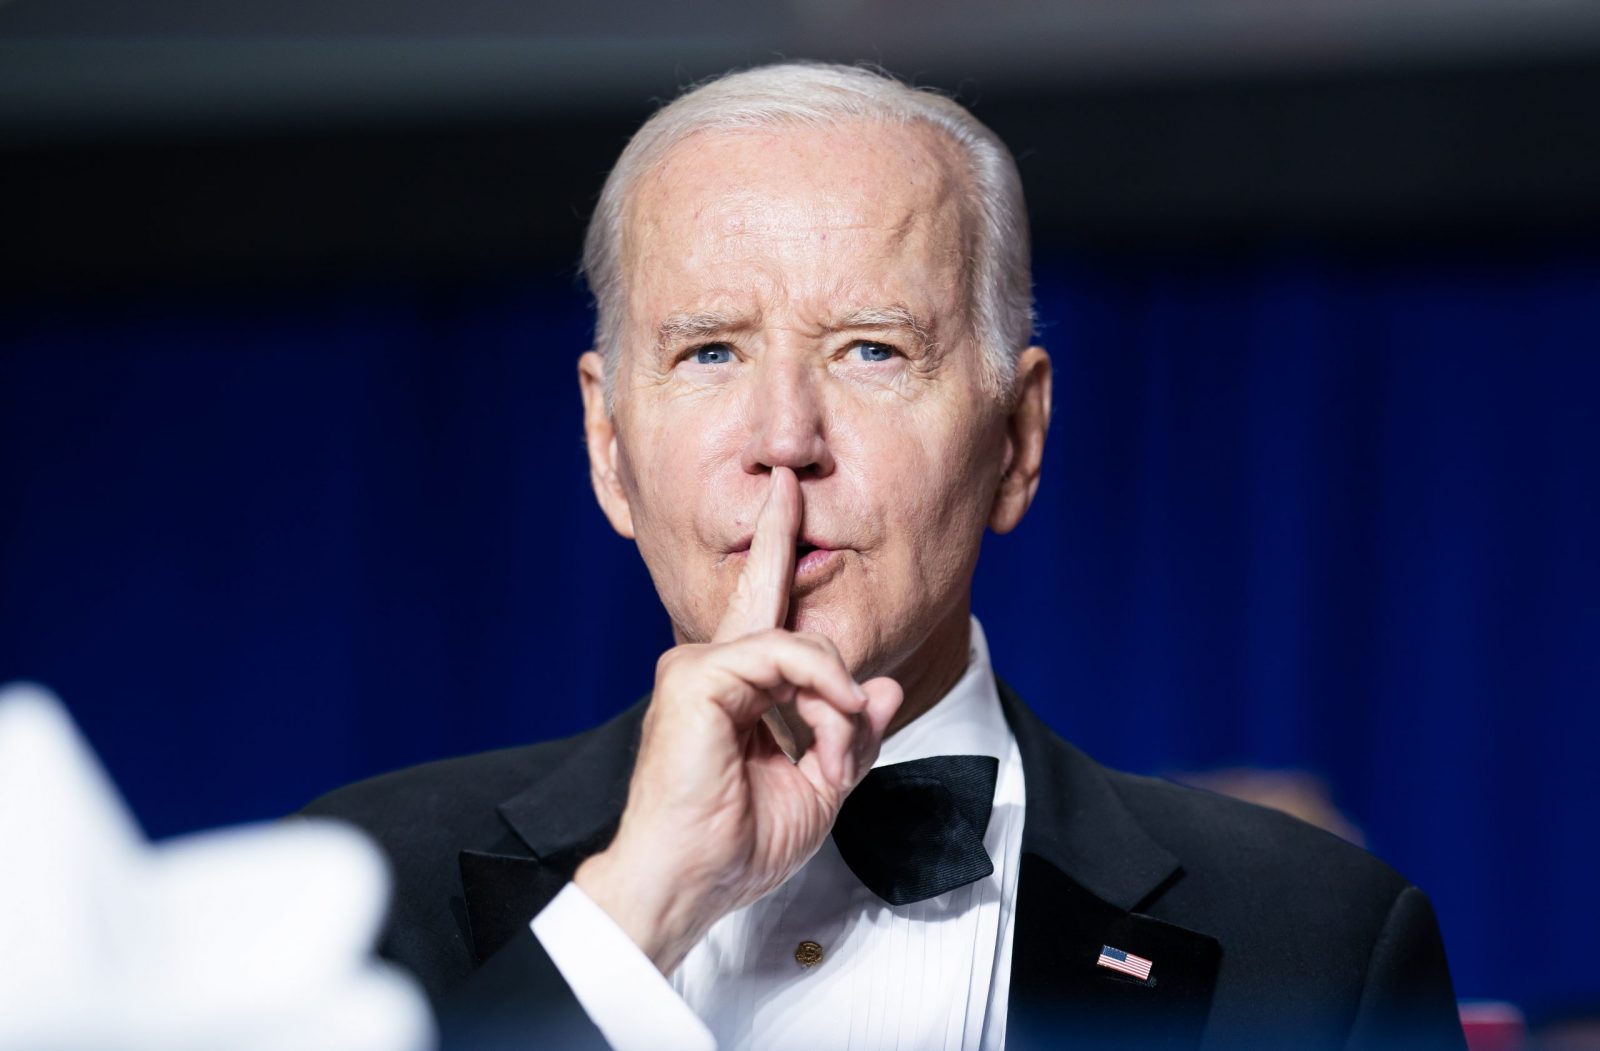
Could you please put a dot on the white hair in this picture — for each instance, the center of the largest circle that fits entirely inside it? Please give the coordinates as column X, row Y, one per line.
column 811, row 94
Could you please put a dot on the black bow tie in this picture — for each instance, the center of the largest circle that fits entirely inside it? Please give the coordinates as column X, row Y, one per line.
column 914, row 830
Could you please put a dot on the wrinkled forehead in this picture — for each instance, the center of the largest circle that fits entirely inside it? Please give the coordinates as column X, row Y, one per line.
column 810, row 217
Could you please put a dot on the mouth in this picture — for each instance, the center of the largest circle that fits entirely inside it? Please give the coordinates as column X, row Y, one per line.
column 811, row 558
column 802, row 547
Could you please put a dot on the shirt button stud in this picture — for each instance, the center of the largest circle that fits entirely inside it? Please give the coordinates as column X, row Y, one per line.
column 808, row 954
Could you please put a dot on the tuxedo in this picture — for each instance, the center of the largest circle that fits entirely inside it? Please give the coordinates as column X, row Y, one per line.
column 1263, row 931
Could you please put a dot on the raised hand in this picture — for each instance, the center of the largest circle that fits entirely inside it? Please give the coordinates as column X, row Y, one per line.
column 718, row 812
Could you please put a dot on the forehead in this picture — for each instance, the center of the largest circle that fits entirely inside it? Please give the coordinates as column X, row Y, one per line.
column 805, row 219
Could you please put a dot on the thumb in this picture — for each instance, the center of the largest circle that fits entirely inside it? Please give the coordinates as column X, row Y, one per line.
column 884, row 697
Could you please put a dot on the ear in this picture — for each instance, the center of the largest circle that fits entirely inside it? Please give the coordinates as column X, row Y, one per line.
column 1026, row 428
column 600, row 433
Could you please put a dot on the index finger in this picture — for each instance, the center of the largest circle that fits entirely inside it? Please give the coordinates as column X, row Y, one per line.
column 761, row 597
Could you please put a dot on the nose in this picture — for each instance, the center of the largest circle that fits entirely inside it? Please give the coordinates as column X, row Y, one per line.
column 787, row 421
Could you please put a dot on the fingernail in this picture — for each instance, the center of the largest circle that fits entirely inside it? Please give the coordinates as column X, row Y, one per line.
column 861, row 693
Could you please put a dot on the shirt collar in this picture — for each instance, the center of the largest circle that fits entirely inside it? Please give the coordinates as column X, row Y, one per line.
column 966, row 721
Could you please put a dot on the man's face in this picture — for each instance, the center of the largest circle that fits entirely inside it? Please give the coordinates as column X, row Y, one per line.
column 800, row 298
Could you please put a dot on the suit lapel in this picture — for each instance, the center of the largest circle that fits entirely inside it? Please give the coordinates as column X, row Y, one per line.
column 502, row 894
column 562, row 817
column 1087, row 868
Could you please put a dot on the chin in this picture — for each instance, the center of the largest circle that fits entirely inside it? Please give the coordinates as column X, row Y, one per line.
column 860, row 642
column 818, row 618
column 838, row 626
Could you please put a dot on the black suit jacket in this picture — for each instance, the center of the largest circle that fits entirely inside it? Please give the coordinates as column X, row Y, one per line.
column 1264, row 931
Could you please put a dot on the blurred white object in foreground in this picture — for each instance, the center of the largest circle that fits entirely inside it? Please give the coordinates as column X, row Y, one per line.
column 249, row 938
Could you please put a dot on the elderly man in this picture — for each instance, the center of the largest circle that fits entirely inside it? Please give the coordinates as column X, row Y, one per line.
column 812, row 389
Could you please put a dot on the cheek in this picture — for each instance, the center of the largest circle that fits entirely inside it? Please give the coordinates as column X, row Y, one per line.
column 661, row 487
column 668, row 456
column 930, row 478
column 941, row 461
column 678, row 461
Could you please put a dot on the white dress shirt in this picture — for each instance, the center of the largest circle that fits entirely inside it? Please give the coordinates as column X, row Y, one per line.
column 931, row 974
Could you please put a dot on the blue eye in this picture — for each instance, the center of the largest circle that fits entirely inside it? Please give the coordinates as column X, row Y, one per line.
column 713, row 354
column 875, row 351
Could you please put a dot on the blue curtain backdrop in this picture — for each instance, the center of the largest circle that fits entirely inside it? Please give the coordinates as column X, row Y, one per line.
column 1309, row 509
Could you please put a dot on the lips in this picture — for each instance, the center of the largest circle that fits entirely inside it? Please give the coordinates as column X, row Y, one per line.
column 812, row 566
column 802, row 547
column 816, row 561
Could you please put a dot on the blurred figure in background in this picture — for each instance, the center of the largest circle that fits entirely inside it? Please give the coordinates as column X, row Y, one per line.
column 1298, row 793
column 249, row 939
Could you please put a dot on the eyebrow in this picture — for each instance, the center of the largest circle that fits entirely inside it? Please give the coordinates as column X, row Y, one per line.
column 884, row 317
column 683, row 328
column 680, row 328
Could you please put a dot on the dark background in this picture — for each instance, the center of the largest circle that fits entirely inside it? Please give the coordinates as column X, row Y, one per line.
column 292, row 488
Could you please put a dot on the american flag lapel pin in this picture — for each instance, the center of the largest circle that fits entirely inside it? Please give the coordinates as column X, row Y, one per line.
column 1125, row 962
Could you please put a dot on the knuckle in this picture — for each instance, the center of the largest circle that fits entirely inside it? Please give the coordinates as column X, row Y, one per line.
column 772, row 637
column 672, row 664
